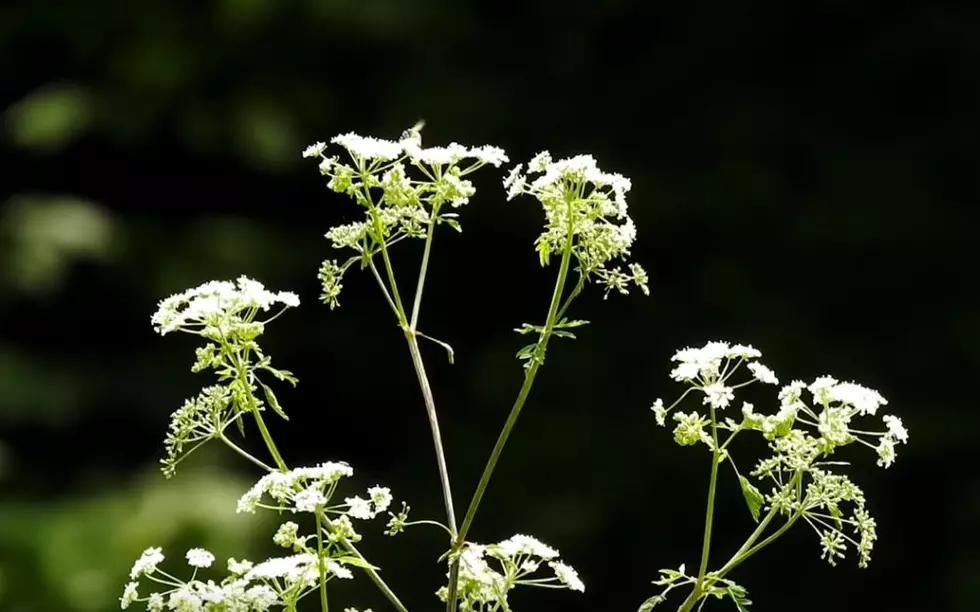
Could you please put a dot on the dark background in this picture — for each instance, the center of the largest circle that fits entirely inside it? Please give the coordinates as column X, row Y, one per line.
column 804, row 180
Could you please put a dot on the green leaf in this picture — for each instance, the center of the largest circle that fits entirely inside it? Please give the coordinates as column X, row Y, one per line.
column 453, row 223
column 544, row 252
column 648, row 605
column 444, row 345
column 562, row 334
column 528, row 351
column 752, row 497
column 356, row 562
column 527, row 328
column 565, row 323
column 273, row 402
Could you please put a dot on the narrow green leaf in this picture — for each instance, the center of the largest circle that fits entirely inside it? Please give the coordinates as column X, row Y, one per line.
column 356, row 562
column 753, row 497
column 648, row 605
column 445, row 345
column 273, row 402
column 527, row 351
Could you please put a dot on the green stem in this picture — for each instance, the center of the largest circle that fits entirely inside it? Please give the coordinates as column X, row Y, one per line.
column 245, row 453
column 323, row 572
column 423, row 268
column 430, row 409
column 515, row 412
column 708, row 519
column 375, row 578
column 267, row 437
column 411, row 336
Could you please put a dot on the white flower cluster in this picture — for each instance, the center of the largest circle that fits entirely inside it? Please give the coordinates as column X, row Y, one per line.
column 587, row 206
column 279, row 581
column 516, row 558
column 310, row 489
column 795, row 451
column 708, row 369
column 217, row 308
column 396, row 205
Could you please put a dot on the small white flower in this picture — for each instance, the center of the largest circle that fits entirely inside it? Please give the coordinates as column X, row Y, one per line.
column 521, row 544
column 286, row 534
column 147, row 563
column 490, row 155
column 309, row 499
column 896, row 430
column 238, row 568
column 718, row 395
column 762, row 373
column 315, row 150
column 886, row 452
column 866, row 400
column 369, row 148
column 744, row 351
column 156, row 603
column 359, row 508
column 198, row 557
column 380, row 497
column 567, row 576
column 184, row 600
column 129, row 595
column 659, row 412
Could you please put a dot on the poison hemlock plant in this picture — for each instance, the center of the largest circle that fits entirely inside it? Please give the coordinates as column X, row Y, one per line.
column 405, row 192
column 801, row 480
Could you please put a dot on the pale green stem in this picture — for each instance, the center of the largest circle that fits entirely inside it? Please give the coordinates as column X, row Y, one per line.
column 430, row 405
column 748, row 548
column 245, row 453
column 515, row 412
column 430, row 409
column 323, row 572
column 375, row 578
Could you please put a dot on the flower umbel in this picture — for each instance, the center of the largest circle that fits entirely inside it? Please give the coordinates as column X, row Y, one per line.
column 798, row 473
column 588, row 204
column 515, row 560
column 403, row 189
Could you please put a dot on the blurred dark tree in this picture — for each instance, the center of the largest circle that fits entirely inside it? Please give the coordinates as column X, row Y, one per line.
column 804, row 179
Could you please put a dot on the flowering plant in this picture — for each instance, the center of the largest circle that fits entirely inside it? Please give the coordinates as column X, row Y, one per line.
column 406, row 191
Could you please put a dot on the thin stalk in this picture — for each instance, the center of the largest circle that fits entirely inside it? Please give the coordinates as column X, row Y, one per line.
column 375, row 578
column 515, row 412
column 266, row 436
column 245, row 454
column 411, row 337
column 324, row 605
column 430, row 409
column 708, row 520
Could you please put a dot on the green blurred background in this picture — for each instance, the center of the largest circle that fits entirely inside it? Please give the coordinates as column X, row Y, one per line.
column 804, row 180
